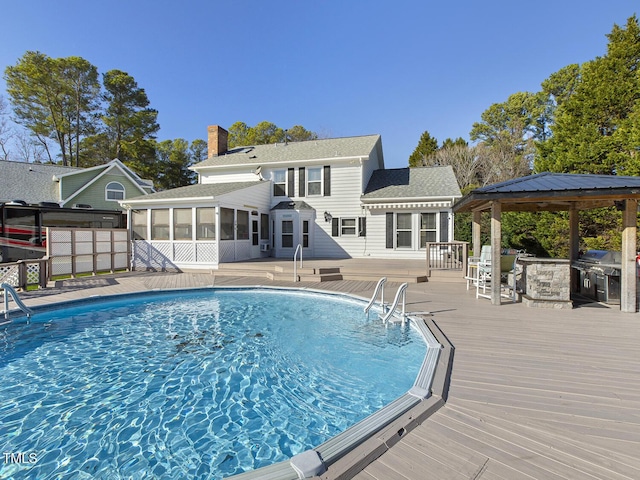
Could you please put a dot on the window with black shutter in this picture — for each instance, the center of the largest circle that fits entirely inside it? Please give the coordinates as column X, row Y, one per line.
column 362, row 226
column 301, row 182
column 327, row 181
column 389, row 230
column 290, row 184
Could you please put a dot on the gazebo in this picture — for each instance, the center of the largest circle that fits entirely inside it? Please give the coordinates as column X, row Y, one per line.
column 559, row 192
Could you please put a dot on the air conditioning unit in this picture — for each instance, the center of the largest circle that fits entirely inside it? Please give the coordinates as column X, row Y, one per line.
column 264, row 247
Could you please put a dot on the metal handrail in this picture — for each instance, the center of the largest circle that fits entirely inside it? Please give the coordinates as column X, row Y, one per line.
column 8, row 290
column 295, row 273
column 401, row 292
column 379, row 286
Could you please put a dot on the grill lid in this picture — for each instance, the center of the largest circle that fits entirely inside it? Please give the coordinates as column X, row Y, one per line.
column 602, row 256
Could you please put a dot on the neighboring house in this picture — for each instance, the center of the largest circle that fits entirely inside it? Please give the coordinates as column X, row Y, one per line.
column 332, row 197
column 101, row 187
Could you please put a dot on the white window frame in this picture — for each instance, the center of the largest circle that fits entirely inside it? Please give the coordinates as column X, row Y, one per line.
column 283, row 182
column 398, row 230
column 434, row 229
column 319, row 181
column 345, row 230
column 114, row 187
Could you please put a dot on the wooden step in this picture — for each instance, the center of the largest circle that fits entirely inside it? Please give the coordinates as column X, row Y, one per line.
column 320, row 277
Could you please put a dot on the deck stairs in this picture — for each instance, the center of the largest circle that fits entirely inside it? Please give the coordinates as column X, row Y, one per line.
column 328, row 270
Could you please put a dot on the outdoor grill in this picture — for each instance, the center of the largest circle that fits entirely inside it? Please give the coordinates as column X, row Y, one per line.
column 599, row 275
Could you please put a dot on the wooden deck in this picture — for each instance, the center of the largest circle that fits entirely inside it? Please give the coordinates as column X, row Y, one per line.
column 534, row 393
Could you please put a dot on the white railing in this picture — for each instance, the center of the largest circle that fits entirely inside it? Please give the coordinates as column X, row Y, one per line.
column 8, row 290
column 379, row 286
column 402, row 292
column 295, row 271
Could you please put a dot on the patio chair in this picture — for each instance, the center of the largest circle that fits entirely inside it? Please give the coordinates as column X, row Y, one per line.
column 507, row 269
column 473, row 265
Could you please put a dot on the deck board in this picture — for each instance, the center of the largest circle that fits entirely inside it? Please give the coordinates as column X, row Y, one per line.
column 534, row 393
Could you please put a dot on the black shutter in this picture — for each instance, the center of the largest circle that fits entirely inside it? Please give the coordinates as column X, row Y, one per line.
column 444, row 226
column 389, row 221
column 290, row 185
column 335, row 227
column 301, row 182
column 362, row 226
column 327, row 181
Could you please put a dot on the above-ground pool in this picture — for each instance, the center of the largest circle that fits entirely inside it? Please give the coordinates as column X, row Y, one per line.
column 199, row 384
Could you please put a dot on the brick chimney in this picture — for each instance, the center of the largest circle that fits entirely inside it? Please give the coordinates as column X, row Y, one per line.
column 216, row 140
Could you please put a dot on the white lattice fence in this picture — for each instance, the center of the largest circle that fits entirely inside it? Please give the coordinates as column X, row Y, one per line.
column 10, row 273
column 86, row 250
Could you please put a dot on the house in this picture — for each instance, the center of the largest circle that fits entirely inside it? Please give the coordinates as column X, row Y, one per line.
column 101, row 187
column 332, row 198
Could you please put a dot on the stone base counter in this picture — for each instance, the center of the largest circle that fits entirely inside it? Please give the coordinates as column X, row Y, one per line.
column 545, row 282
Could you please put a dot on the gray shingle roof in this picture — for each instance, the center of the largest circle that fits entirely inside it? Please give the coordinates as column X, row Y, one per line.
column 419, row 182
column 31, row 182
column 201, row 190
column 309, row 150
column 293, row 206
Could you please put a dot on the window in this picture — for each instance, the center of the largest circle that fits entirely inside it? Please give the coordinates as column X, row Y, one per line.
column 254, row 232
column 280, row 183
column 305, row 233
column 427, row 228
column 264, row 226
column 114, row 191
column 182, row 224
column 160, row 224
column 139, row 224
column 403, row 230
column 287, row 233
column 243, row 225
column 347, row 226
column 314, row 181
column 205, row 223
column 226, row 224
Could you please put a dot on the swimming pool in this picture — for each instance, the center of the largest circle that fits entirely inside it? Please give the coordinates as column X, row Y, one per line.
column 200, row 384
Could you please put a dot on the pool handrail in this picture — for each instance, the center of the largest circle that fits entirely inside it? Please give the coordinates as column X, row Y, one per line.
column 295, row 272
column 402, row 292
column 9, row 290
column 379, row 286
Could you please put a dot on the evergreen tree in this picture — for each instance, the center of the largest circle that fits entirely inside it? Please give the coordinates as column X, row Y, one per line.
column 427, row 147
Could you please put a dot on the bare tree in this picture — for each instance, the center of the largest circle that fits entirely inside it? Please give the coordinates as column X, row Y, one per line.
column 6, row 130
column 463, row 160
column 29, row 149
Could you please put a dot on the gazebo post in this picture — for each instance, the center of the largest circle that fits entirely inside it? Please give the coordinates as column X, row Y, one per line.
column 629, row 278
column 574, row 245
column 475, row 233
column 496, row 236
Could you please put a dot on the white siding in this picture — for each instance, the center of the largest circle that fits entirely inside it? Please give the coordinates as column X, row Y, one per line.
column 240, row 175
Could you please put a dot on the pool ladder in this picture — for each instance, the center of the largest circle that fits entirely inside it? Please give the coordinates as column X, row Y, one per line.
column 400, row 294
column 9, row 290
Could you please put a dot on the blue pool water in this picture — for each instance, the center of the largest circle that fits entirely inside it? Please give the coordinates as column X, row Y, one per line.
column 200, row 384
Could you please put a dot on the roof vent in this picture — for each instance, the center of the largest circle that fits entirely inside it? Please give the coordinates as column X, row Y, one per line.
column 85, row 206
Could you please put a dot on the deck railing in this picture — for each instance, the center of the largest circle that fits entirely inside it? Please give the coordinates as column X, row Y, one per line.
column 25, row 273
column 447, row 256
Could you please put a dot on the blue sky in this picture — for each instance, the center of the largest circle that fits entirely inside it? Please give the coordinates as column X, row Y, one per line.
column 339, row 68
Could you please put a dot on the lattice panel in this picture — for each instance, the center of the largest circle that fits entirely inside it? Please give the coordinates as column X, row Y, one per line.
column 84, row 248
column 84, row 235
column 227, row 251
column 33, row 273
column 60, row 266
column 103, row 261
column 103, row 236
column 84, row 263
column 120, row 236
column 59, row 242
column 102, row 247
column 10, row 274
column 207, row 252
column 120, row 261
column 243, row 250
column 121, row 246
column 183, row 252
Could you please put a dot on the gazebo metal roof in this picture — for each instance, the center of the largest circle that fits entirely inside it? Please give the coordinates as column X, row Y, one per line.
column 552, row 192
